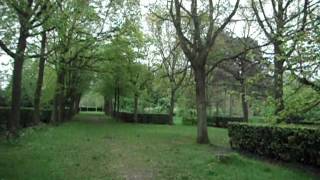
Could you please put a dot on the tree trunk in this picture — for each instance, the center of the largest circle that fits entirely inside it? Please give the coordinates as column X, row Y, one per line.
column 37, row 94
column 135, row 110
column 230, row 105
column 77, row 102
column 244, row 101
column 13, row 123
column 108, row 106
column 115, row 103
column 118, row 99
column 54, row 113
column 61, row 98
column 200, row 78
column 59, row 105
column 217, row 109
column 278, row 80
column 171, row 107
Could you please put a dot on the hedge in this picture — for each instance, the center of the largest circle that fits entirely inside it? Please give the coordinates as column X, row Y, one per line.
column 218, row 121
column 91, row 109
column 26, row 116
column 215, row 121
column 144, row 118
column 287, row 143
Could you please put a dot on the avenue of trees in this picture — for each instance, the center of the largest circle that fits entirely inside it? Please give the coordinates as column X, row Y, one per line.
column 189, row 59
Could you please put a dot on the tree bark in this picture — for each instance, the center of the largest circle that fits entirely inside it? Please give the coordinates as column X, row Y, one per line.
column 135, row 110
column 244, row 102
column 61, row 98
column 59, row 105
column 13, row 123
column 278, row 80
column 118, row 99
column 77, row 102
column 115, row 103
column 171, row 107
column 108, row 106
column 200, row 78
column 217, row 109
column 230, row 105
column 37, row 94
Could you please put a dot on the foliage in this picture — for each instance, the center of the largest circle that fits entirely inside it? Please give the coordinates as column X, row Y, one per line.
column 144, row 118
column 288, row 143
column 26, row 113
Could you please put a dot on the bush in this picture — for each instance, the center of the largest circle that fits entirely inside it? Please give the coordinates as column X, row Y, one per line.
column 218, row 121
column 26, row 116
column 144, row 118
column 288, row 143
column 189, row 117
column 215, row 121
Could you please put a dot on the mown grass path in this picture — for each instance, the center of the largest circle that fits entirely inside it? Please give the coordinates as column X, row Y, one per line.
column 95, row 147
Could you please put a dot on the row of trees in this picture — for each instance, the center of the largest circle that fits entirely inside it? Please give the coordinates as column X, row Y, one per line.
column 199, row 24
column 66, row 36
column 75, row 46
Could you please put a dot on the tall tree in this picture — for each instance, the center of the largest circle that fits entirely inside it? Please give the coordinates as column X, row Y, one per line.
column 197, row 29
column 37, row 93
column 283, row 25
column 172, row 59
column 29, row 15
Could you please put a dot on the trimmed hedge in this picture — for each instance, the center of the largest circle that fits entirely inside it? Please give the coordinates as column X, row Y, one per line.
column 287, row 143
column 144, row 118
column 91, row 109
column 215, row 121
column 26, row 116
column 218, row 121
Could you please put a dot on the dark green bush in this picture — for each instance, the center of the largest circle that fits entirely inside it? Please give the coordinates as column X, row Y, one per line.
column 26, row 116
column 189, row 120
column 144, row 118
column 288, row 143
column 218, row 121
column 215, row 121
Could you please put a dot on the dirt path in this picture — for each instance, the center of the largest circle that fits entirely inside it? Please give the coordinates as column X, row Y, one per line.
column 128, row 161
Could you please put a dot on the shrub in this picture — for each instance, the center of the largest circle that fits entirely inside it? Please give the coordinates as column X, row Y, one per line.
column 189, row 117
column 288, row 143
column 144, row 118
column 189, row 120
column 26, row 114
column 215, row 121
column 218, row 121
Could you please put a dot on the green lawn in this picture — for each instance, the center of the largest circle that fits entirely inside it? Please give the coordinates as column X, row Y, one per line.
column 94, row 147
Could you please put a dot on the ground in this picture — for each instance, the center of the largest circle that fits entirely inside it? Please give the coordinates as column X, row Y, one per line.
column 93, row 146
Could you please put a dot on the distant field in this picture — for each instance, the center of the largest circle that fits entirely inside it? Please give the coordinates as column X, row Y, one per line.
column 96, row 147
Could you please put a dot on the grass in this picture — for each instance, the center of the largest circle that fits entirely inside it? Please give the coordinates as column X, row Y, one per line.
column 95, row 147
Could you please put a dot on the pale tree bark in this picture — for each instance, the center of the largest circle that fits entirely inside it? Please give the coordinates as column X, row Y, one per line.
column 244, row 101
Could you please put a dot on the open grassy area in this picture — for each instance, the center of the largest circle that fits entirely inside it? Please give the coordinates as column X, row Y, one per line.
column 95, row 147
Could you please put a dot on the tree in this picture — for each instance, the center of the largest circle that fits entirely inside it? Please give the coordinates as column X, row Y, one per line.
column 197, row 30
column 29, row 15
column 172, row 58
column 283, row 27
column 38, row 90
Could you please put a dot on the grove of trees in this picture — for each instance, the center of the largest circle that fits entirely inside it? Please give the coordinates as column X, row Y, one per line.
column 190, row 59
